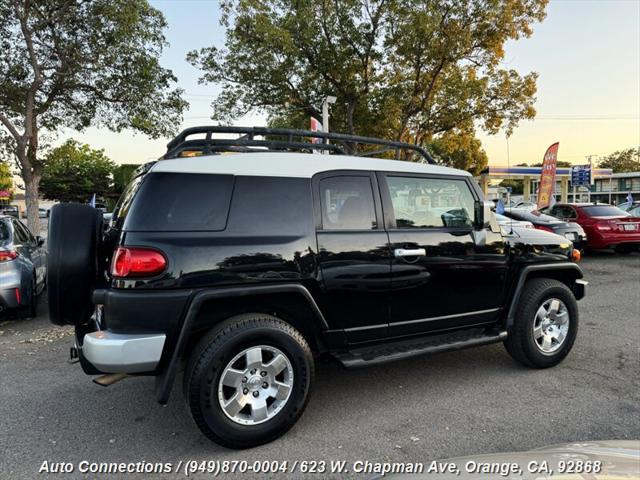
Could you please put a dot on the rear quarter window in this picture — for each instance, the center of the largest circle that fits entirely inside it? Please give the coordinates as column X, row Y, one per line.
column 5, row 233
column 180, row 202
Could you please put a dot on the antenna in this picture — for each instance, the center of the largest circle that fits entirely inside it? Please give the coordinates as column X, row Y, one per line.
column 509, row 168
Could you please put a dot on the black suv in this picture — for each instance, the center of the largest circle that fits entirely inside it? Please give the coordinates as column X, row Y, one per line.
column 242, row 261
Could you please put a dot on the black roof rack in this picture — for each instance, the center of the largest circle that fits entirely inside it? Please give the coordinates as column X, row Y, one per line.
column 282, row 139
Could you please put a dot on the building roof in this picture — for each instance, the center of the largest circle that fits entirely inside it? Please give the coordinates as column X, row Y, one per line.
column 286, row 164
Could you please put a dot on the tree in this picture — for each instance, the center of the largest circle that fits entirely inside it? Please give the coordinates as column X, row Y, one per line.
column 122, row 176
column 6, row 178
column 627, row 160
column 460, row 150
column 73, row 172
column 75, row 63
column 401, row 69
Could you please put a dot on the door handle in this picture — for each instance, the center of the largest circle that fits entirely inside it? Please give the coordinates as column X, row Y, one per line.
column 413, row 252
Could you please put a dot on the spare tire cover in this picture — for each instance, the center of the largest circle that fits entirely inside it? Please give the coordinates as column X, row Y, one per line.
column 75, row 232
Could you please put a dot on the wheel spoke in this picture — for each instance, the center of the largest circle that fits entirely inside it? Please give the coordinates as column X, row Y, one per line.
column 254, row 357
column 560, row 318
column 546, row 342
column 560, row 336
column 537, row 332
column 232, row 377
column 554, row 307
column 282, row 390
column 259, row 409
column 541, row 313
column 277, row 365
column 235, row 404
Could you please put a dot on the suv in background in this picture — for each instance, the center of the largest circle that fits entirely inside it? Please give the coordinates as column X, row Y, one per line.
column 244, row 268
column 606, row 226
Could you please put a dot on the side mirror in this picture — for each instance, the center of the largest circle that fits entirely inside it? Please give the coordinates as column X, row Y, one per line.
column 39, row 240
column 483, row 214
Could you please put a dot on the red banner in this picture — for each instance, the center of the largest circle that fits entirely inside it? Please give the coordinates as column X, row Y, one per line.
column 548, row 176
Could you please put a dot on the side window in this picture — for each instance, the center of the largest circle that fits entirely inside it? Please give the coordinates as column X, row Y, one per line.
column 569, row 212
column 431, row 203
column 347, row 203
column 20, row 236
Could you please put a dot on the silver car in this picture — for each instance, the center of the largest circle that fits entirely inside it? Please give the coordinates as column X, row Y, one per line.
column 23, row 267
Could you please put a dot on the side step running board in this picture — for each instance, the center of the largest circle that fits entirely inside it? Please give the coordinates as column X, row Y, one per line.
column 389, row 352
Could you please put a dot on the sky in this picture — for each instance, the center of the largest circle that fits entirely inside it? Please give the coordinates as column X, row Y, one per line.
column 586, row 52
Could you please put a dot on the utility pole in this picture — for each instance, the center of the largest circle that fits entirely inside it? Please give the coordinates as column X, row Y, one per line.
column 325, row 117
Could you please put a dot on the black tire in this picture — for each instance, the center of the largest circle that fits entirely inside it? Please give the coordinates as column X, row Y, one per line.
column 31, row 310
column 212, row 355
column 72, row 263
column 520, row 343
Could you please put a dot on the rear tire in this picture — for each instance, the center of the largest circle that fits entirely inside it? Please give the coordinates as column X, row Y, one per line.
column 546, row 324
column 75, row 232
column 234, row 368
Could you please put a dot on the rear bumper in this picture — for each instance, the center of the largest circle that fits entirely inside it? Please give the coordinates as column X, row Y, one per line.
column 607, row 240
column 580, row 289
column 123, row 353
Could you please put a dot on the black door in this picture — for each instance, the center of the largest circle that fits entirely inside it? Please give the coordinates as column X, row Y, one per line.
column 445, row 273
column 354, row 255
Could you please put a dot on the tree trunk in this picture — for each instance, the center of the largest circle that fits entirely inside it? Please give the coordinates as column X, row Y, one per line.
column 31, row 173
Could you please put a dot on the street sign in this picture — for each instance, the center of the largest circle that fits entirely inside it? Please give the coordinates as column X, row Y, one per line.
column 581, row 175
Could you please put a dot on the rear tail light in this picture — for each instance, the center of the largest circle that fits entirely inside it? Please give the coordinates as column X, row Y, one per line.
column 603, row 226
column 137, row 262
column 546, row 229
column 7, row 255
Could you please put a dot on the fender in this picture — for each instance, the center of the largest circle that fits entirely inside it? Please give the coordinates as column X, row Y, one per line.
column 578, row 289
column 164, row 381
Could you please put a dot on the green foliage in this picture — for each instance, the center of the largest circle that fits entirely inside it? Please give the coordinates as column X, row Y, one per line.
column 460, row 150
column 98, row 63
column 401, row 69
column 627, row 160
column 6, row 178
column 74, row 172
column 560, row 164
column 122, row 176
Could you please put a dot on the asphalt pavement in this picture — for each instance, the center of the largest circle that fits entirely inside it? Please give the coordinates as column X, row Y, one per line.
column 452, row 404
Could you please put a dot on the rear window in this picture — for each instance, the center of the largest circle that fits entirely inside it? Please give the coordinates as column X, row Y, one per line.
column 5, row 233
column 604, row 211
column 180, row 202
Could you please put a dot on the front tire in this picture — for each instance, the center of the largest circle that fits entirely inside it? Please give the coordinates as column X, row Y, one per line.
column 546, row 324
column 248, row 380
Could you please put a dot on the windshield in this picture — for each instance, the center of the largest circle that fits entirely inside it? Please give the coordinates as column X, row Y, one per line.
column 604, row 211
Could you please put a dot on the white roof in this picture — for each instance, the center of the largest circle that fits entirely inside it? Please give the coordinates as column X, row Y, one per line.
column 286, row 164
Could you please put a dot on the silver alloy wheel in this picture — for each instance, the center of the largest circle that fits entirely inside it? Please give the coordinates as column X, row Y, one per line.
column 255, row 385
column 551, row 325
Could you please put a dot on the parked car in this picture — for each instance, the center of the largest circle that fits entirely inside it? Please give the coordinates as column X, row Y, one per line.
column 23, row 264
column 526, row 205
column 507, row 223
column 570, row 230
column 43, row 212
column 11, row 210
column 248, row 267
column 606, row 226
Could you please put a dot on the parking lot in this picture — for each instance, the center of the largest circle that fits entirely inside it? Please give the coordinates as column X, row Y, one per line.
column 453, row 404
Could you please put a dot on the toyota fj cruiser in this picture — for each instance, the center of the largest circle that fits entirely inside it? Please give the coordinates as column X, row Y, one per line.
column 242, row 262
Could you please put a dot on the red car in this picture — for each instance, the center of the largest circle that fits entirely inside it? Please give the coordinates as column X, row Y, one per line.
column 606, row 226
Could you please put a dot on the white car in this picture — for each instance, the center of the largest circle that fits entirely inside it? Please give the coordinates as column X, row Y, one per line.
column 507, row 224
